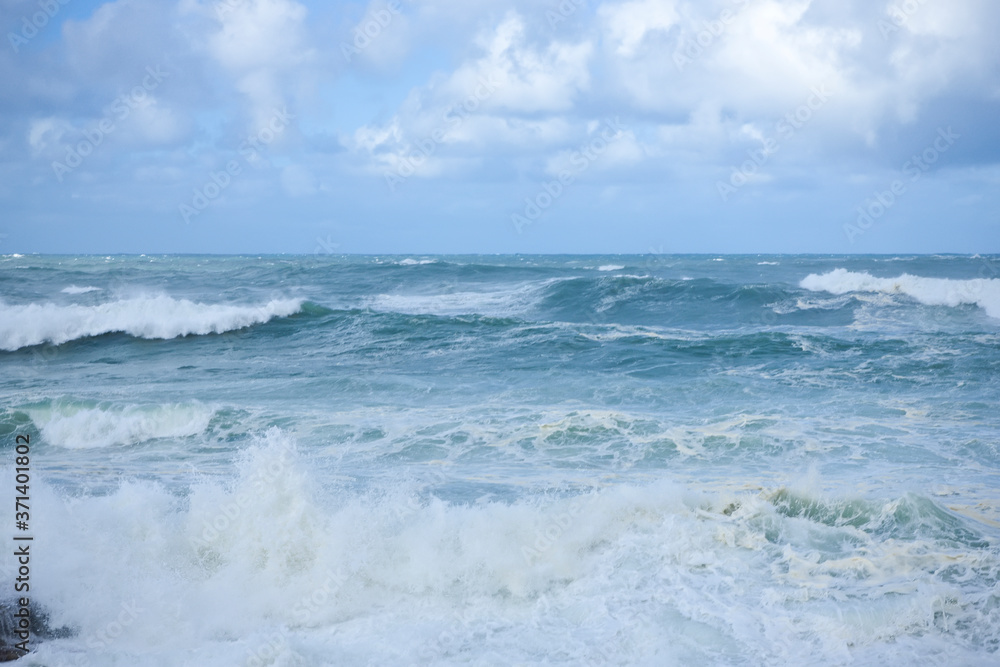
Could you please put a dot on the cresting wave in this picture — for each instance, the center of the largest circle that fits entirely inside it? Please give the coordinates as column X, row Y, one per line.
column 306, row 577
column 86, row 425
column 73, row 289
column 982, row 292
column 557, row 297
column 498, row 301
column 151, row 317
column 409, row 261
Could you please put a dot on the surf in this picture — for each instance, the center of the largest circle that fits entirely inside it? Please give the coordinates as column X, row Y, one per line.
column 151, row 317
column 981, row 292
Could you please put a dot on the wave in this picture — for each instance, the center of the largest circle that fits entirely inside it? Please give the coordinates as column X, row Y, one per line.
column 626, row 298
column 610, row 267
column 73, row 289
column 651, row 300
column 81, row 425
column 291, row 570
column 153, row 317
column 501, row 301
column 416, row 262
column 982, row 292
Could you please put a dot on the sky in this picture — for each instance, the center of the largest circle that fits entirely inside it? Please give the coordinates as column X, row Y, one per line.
column 462, row 126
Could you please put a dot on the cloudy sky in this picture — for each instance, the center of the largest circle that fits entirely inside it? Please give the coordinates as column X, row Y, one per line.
column 424, row 126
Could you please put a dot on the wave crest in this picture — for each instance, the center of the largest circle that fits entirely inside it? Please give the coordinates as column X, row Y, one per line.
column 76, row 425
column 73, row 289
column 982, row 292
column 155, row 317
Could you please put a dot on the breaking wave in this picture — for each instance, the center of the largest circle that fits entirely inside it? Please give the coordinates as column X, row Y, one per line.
column 151, row 317
column 982, row 292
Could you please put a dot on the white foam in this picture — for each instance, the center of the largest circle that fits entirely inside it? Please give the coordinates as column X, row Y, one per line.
column 612, row 332
column 610, row 267
column 73, row 289
column 144, row 317
column 271, row 569
column 502, row 301
column 818, row 303
column 768, row 263
column 416, row 262
column 982, row 292
column 78, row 426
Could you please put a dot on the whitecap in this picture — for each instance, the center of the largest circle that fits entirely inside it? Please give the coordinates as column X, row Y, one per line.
column 73, row 289
column 80, row 426
column 154, row 317
column 982, row 292
column 501, row 301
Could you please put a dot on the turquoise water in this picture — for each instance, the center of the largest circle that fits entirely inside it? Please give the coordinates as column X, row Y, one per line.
column 649, row 459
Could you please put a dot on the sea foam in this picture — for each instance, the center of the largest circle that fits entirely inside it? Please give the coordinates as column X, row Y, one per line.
column 982, row 292
column 73, row 289
column 144, row 317
column 83, row 426
column 268, row 569
column 409, row 261
column 508, row 300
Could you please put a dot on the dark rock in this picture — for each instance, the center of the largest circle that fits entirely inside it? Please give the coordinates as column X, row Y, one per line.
column 40, row 629
column 9, row 654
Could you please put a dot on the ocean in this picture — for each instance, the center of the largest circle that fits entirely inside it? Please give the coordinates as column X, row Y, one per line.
column 504, row 460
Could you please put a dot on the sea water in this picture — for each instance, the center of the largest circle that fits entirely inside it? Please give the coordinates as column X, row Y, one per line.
column 648, row 460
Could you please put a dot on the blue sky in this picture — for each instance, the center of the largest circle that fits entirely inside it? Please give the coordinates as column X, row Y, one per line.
column 421, row 126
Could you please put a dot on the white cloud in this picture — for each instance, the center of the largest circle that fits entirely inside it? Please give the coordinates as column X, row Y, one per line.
column 527, row 78
column 151, row 123
column 45, row 135
column 627, row 24
column 259, row 34
column 491, row 92
column 381, row 39
column 263, row 44
column 482, row 104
